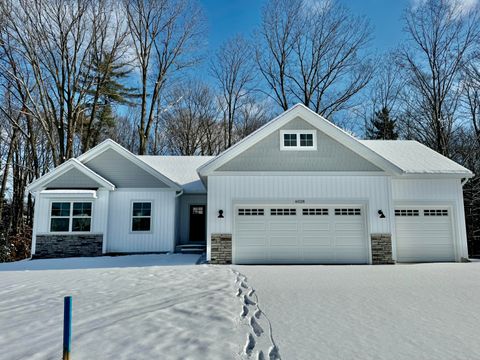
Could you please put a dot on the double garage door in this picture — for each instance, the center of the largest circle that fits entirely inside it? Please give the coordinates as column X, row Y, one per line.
column 300, row 235
column 424, row 233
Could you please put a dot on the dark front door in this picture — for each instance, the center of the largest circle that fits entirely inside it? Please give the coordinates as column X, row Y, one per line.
column 197, row 223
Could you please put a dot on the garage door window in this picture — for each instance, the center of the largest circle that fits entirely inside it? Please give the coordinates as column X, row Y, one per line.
column 406, row 212
column 347, row 212
column 251, row 212
column 282, row 212
column 314, row 211
column 435, row 212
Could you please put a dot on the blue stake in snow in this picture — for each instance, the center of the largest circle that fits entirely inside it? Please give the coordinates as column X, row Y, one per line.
column 67, row 326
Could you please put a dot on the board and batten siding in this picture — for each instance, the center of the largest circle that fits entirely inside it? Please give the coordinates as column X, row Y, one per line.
column 161, row 238
column 122, row 172
column 42, row 212
column 73, row 179
column 330, row 155
column 225, row 190
column 435, row 192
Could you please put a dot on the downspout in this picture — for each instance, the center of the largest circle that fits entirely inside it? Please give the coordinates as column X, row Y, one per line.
column 179, row 194
column 464, row 181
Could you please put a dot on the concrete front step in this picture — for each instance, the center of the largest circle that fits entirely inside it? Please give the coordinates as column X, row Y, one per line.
column 191, row 248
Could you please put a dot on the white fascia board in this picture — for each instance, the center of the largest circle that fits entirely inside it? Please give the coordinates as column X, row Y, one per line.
column 42, row 181
column 110, row 144
column 299, row 173
column 67, row 193
column 315, row 120
column 436, row 175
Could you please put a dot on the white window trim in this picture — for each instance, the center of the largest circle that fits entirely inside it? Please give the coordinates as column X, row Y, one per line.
column 298, row 147
column 70, row 217
column 131, row 217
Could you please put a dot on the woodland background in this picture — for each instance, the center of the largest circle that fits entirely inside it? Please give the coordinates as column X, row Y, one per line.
column 75, row 72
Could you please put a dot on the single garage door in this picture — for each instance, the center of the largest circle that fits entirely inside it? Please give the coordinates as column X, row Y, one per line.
column 299, row 235
column 424, row 234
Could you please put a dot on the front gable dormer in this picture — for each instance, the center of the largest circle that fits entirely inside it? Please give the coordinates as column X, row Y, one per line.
column 299, row 140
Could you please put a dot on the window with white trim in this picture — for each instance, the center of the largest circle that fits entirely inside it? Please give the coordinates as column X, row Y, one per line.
column 141, row 216
column 70, row 216
column 298, row 140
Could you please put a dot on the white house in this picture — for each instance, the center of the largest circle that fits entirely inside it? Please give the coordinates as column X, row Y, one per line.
column 297, row 190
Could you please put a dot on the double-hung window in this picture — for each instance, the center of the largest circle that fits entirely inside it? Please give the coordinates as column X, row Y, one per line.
column 141, row 216
column 298, row 140
column 71, row 216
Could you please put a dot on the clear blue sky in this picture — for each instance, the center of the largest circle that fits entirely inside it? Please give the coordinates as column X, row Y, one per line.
column 229, row 17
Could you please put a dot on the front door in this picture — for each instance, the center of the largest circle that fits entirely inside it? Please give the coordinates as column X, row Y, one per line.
column 197, row 223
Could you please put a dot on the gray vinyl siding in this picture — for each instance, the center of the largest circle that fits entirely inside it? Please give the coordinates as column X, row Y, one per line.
column 73, row 179
column 329, row 156
column 184, row 218
column 122, row 172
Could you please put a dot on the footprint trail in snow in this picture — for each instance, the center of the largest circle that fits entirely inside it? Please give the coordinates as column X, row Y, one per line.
column 259, row 343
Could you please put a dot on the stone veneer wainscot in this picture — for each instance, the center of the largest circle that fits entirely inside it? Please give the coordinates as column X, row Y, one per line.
column 382, row 249
column 221, row 249
column 56, row 245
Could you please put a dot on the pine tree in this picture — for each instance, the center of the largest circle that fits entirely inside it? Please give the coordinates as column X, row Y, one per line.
column 107, row 90
column 382, row 126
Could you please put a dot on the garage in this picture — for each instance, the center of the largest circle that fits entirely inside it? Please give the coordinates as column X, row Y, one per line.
column 424, row 234
column 315, row 234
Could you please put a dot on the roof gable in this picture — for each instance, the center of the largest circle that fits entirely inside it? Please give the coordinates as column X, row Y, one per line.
column 126, row 170
column 328, row 155
column 318, row 122
column 67, row 169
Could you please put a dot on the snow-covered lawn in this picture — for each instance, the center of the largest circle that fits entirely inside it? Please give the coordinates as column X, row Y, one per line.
column 129, row 307
column 424, row 311
column 165, row 307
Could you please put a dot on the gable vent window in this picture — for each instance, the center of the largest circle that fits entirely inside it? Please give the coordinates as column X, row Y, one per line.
column 347, row 212
column 406, row 212
column 298, row 140
column 314, row 211
column 250, row 212
column 435, row 212
column 282, row 212
column 306, row 140
column 290, row 140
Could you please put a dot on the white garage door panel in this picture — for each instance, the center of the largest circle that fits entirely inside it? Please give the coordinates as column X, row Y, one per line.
column 300, row 235
column 425, row 237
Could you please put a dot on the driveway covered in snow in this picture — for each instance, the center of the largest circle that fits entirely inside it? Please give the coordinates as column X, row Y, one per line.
column 424, row 311
column 130, row 307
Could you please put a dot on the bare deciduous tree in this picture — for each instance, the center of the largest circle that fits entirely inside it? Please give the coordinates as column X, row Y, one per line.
column 190, row 122
column 312, row 53
column 164, row 34
column 441, row 38
column 233, row 67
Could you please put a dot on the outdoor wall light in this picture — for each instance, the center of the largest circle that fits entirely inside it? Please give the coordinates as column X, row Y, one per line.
column 381, row 214
column 220, row 214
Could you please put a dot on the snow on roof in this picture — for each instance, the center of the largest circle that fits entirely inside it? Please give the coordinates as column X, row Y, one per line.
column 181, row 169
column 415, row 158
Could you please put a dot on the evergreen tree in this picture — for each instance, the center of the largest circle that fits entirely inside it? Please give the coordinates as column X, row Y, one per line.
column 382, row 126
column 106, row 90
